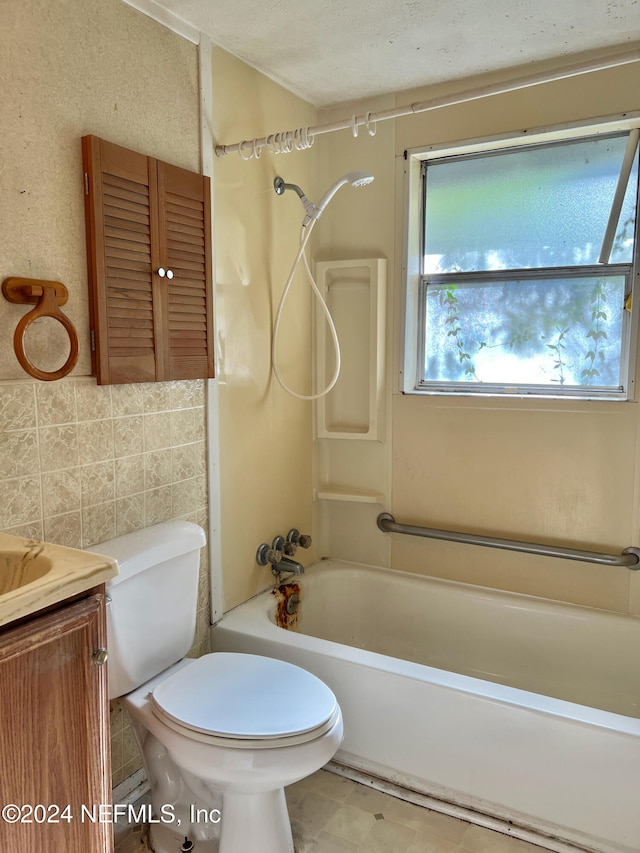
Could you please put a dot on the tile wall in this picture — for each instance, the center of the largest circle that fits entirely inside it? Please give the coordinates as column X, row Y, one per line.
column 81, row 463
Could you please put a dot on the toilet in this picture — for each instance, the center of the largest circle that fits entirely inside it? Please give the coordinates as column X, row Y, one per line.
column 221, row 735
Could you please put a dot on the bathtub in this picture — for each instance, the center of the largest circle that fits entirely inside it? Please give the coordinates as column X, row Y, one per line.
column 493, row 705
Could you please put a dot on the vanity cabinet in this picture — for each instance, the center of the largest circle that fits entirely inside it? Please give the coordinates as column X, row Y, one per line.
column 54, row 730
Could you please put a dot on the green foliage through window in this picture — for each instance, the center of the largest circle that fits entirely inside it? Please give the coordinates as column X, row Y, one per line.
column 527, row 268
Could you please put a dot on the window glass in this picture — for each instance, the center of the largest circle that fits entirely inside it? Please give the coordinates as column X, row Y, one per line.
column 559, row 332
column 528, row 266
column 525, row 208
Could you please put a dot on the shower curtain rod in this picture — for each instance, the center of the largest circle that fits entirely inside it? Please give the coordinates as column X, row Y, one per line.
column 301, row 138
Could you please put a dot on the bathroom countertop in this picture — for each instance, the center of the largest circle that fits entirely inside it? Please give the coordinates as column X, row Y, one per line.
column 35, row 575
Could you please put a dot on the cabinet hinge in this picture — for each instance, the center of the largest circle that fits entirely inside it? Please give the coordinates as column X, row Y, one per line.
column 93, row 340
column 86, row 183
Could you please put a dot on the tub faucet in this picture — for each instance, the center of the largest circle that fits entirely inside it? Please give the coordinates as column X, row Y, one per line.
column 287, row 565
column 280, row 553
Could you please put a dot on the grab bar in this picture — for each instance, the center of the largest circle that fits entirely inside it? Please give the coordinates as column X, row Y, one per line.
column 630, row 557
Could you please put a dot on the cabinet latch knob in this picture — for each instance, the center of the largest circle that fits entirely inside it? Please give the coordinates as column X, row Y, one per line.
column 100, row 657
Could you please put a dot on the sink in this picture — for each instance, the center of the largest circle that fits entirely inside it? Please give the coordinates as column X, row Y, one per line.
column 19, row 568
column 35, row 575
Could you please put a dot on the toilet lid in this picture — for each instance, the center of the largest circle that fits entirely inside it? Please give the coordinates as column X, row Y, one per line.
column 245, row 696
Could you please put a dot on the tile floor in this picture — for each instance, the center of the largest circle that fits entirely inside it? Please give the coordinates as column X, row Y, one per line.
column 331, row 814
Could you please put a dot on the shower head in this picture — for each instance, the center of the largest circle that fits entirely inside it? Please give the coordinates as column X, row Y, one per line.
column 356, row 179
column 314, row 211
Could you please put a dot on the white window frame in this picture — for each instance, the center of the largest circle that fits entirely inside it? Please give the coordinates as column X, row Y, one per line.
column 412, row 355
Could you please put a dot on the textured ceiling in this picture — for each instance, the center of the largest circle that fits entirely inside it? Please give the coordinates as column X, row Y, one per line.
column 331, row 51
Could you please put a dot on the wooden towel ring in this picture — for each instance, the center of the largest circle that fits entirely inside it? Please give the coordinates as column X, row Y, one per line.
column 47, row 296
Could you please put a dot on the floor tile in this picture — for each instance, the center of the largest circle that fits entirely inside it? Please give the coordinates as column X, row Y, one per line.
column 331, row 814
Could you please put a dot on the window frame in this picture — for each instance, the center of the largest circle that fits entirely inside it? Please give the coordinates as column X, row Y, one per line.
column 411, row 368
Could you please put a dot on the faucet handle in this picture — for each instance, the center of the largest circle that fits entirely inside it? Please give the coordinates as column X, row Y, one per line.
column 266, row 555
column 296, row 538
column 290, row 548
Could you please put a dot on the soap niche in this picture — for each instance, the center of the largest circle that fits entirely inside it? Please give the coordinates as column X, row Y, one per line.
column 354, row 291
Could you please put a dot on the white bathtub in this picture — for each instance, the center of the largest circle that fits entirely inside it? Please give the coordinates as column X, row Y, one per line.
column 515, row 707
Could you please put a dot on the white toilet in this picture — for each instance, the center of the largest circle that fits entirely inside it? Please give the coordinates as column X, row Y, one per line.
column 221, row 735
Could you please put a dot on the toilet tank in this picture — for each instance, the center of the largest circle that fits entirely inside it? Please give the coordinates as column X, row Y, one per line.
column 151, row 617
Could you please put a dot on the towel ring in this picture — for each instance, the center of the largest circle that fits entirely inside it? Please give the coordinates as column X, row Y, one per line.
column 47, row 296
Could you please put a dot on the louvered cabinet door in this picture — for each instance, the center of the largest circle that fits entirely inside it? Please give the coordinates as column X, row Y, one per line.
column 149, row 259
column 185, row 250
column 122, row 253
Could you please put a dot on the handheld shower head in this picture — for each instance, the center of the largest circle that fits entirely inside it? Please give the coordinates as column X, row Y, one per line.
column 314, row 211
column 356, row 179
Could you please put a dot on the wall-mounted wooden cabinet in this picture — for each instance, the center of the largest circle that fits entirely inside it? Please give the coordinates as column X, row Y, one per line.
column 149, row 261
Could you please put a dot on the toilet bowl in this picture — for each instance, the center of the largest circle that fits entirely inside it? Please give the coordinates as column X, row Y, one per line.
column 222, row 735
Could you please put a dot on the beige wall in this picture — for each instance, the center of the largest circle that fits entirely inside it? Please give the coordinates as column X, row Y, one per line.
column 558, row 472
column 265, row 435
column 80, row 464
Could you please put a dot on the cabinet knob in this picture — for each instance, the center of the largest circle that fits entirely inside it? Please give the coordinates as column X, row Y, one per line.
column 162, row 272
column 169, row 273
column 100, row 657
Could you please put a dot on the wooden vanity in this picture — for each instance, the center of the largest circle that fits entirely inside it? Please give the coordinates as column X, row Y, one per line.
column 55, row 780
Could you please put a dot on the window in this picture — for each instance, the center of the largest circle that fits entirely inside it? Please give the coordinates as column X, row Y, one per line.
column 527, row 258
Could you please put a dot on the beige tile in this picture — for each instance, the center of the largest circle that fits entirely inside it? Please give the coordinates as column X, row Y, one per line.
column 130, row 514
column 61, row 491
column 156, row 396
column 95, row 441
column 56, row 403
column 185, row 394
column 18, row 453
column 97, row 483
column 157, row 468
column 98, row 524
column 386, row 836
column 314, row 810
column 327, row 843
column 117, row 716
column 184, row 497
column 158, row 505
column 58, row 447
column 157, row 431
column 17, row 406
column 64, row 530
column 183, row 463
column 330, row 785
column 363, row 797
column 34, row 530
column 183, row 426
column 127, row 400
column 128, row 438
column 442, row 825
column 130, row 475
column 351, row 823
column 20, row 501
column 93, row 402
column 425, row 844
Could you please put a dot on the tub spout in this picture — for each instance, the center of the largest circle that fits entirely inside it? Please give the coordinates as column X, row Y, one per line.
column 287, row 565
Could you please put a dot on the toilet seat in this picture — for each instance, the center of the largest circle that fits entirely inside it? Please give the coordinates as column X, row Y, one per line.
column 245, row 701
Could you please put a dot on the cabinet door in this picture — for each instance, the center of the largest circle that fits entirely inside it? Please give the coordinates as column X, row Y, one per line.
column 122, row 255
column 185, row 250
column 54, row 747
